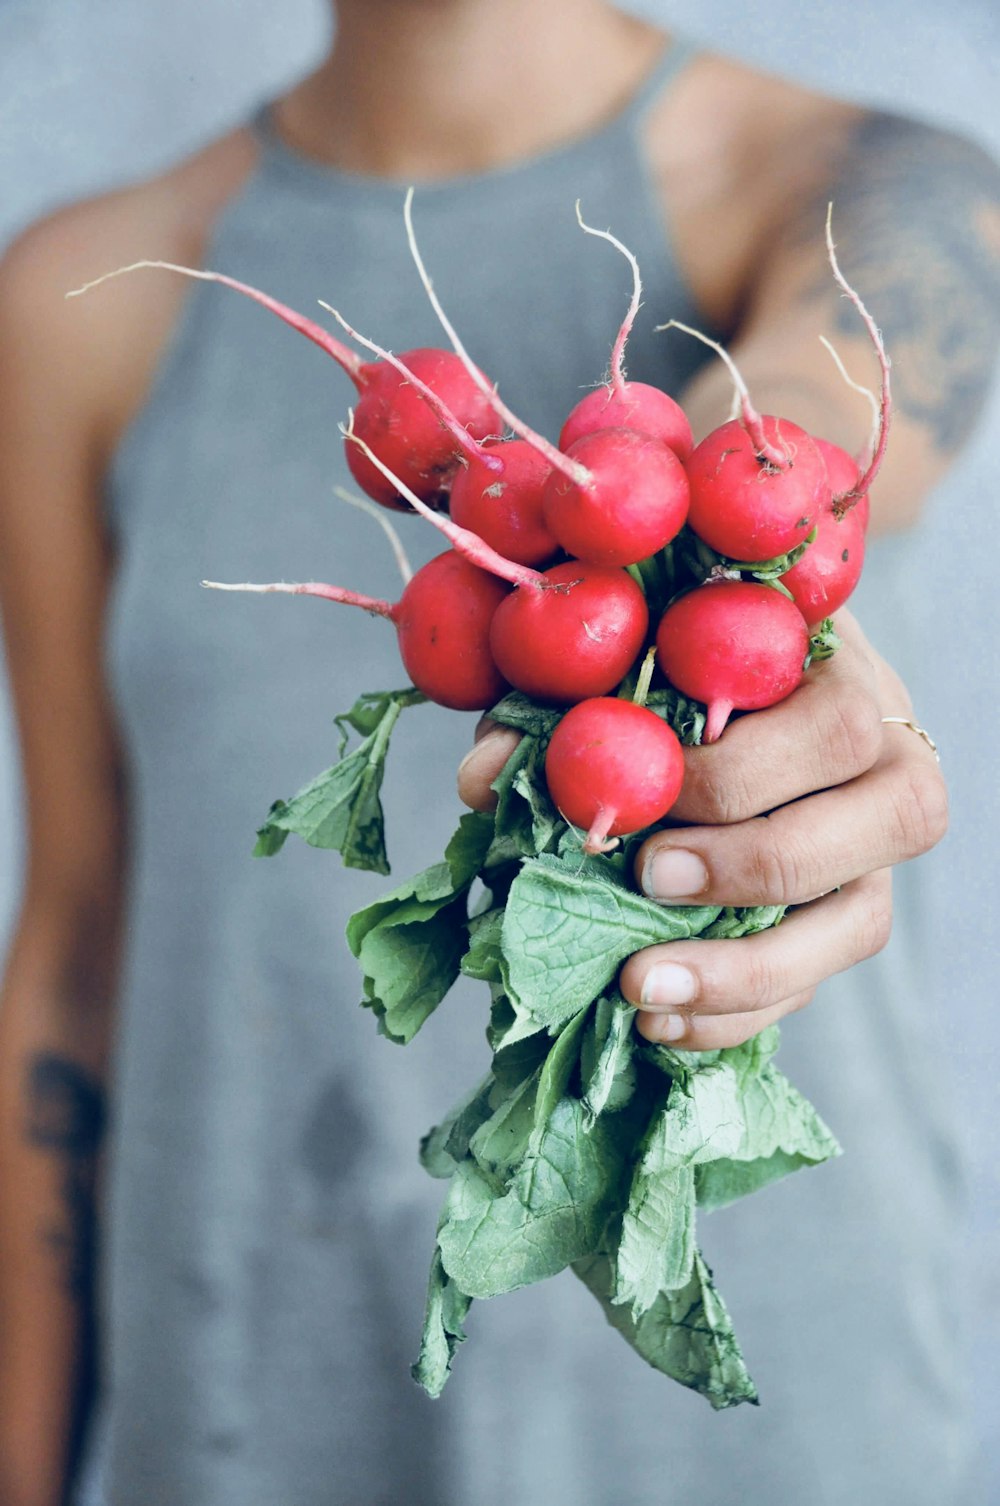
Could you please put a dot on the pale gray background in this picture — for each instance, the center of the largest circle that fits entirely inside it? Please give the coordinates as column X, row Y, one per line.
column 96, row 91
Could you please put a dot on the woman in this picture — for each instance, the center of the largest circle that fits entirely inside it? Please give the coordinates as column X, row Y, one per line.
column 267, row 1232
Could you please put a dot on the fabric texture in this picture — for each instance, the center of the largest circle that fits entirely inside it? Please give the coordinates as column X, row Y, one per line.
column 269, row 1226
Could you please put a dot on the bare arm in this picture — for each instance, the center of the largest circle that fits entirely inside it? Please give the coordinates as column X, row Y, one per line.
column 917, row 225
column 56, row 1007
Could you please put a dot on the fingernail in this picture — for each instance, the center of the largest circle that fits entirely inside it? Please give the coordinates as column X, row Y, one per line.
column 668, row 983
column 671, row 1027
column 674, row 873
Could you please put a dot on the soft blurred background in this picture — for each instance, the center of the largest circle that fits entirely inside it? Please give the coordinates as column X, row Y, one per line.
column 91, row 95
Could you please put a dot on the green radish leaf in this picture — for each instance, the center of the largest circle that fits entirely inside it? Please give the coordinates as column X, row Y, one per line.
column 500, row 1144
column 566, row 933
column 526, row 821
column 686, row 1334
column 524, row 715
column 410, row 943
column 743, row 921
column 483, row 958
column 824, row 642
column 447, row 1144
column 780, row 1132
column 447, row 1310
column 553, row 1212
column 606, row 1065
column 340, row 809
column 686, row 718
column 657, row 1246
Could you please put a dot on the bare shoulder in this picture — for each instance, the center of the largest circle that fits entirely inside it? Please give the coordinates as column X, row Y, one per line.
column 730, row 147
column 746, row 161
column 112, row 343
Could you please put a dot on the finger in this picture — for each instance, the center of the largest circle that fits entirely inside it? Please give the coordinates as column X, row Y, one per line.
column 896, row 811
column 826, row 732
column 482, row 764
column 755, row 973
column 716, row 1032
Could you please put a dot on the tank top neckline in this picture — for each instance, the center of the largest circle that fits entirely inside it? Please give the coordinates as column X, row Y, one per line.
column 291, row 163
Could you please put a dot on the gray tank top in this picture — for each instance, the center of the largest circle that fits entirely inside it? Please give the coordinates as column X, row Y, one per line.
column 269, row 1226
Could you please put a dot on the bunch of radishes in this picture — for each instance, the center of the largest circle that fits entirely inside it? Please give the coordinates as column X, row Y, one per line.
column 540, row 589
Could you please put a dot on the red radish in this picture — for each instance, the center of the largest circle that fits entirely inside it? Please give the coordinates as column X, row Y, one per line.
column 442, row 621
column 621, row 404
column 599, row 489
column 399, row 426
column 496, row 491
column 613, row 767
column 444, row 626
column 504, row 506
column 734, row 645
column 391, row 414
column 577, row 638
column 745, row 506
column 641, row 407
column 829, row 570
column 634, row 503
column 843, row 474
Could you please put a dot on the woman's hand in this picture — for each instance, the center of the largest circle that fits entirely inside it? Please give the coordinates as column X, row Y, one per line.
column 813, row 795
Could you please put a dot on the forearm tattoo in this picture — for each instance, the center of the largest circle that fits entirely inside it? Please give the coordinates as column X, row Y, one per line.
column 917, row 224
column 65, row 1118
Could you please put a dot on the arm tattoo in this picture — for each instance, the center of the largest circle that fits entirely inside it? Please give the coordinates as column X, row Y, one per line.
column 66, row 1119
column 917, row 223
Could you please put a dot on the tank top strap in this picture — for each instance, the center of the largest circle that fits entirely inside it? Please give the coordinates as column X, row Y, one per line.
column 669, row 65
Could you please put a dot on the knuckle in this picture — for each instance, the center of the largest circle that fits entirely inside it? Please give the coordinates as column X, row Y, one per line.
column 855, row 740
column 921, row 809
column 757, row 982
column 721, row 795
column 774, row 872
column 875, row 922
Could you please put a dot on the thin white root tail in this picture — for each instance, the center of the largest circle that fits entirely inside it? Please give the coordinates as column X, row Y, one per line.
column 863, row 484
column 348, row 359
column 865, row 392
column 618, row 349
column 575, row 472
column 752, row 421
column 363, row 504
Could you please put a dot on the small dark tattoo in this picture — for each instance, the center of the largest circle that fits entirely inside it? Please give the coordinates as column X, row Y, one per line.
column 65, row 1117
column 916, row 219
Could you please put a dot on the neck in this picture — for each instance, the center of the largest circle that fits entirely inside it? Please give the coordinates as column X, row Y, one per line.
column 425, row 89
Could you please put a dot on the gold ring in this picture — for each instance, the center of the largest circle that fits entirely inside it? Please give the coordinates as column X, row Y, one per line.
column 904, row 721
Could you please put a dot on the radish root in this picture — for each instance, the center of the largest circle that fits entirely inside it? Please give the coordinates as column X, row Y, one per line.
column 372, row 604
column 843, row 504
column 752, row 421
column 865, row 392
column 378, row 513
column 346, row 358
column 570, row 468
column 617, row 375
